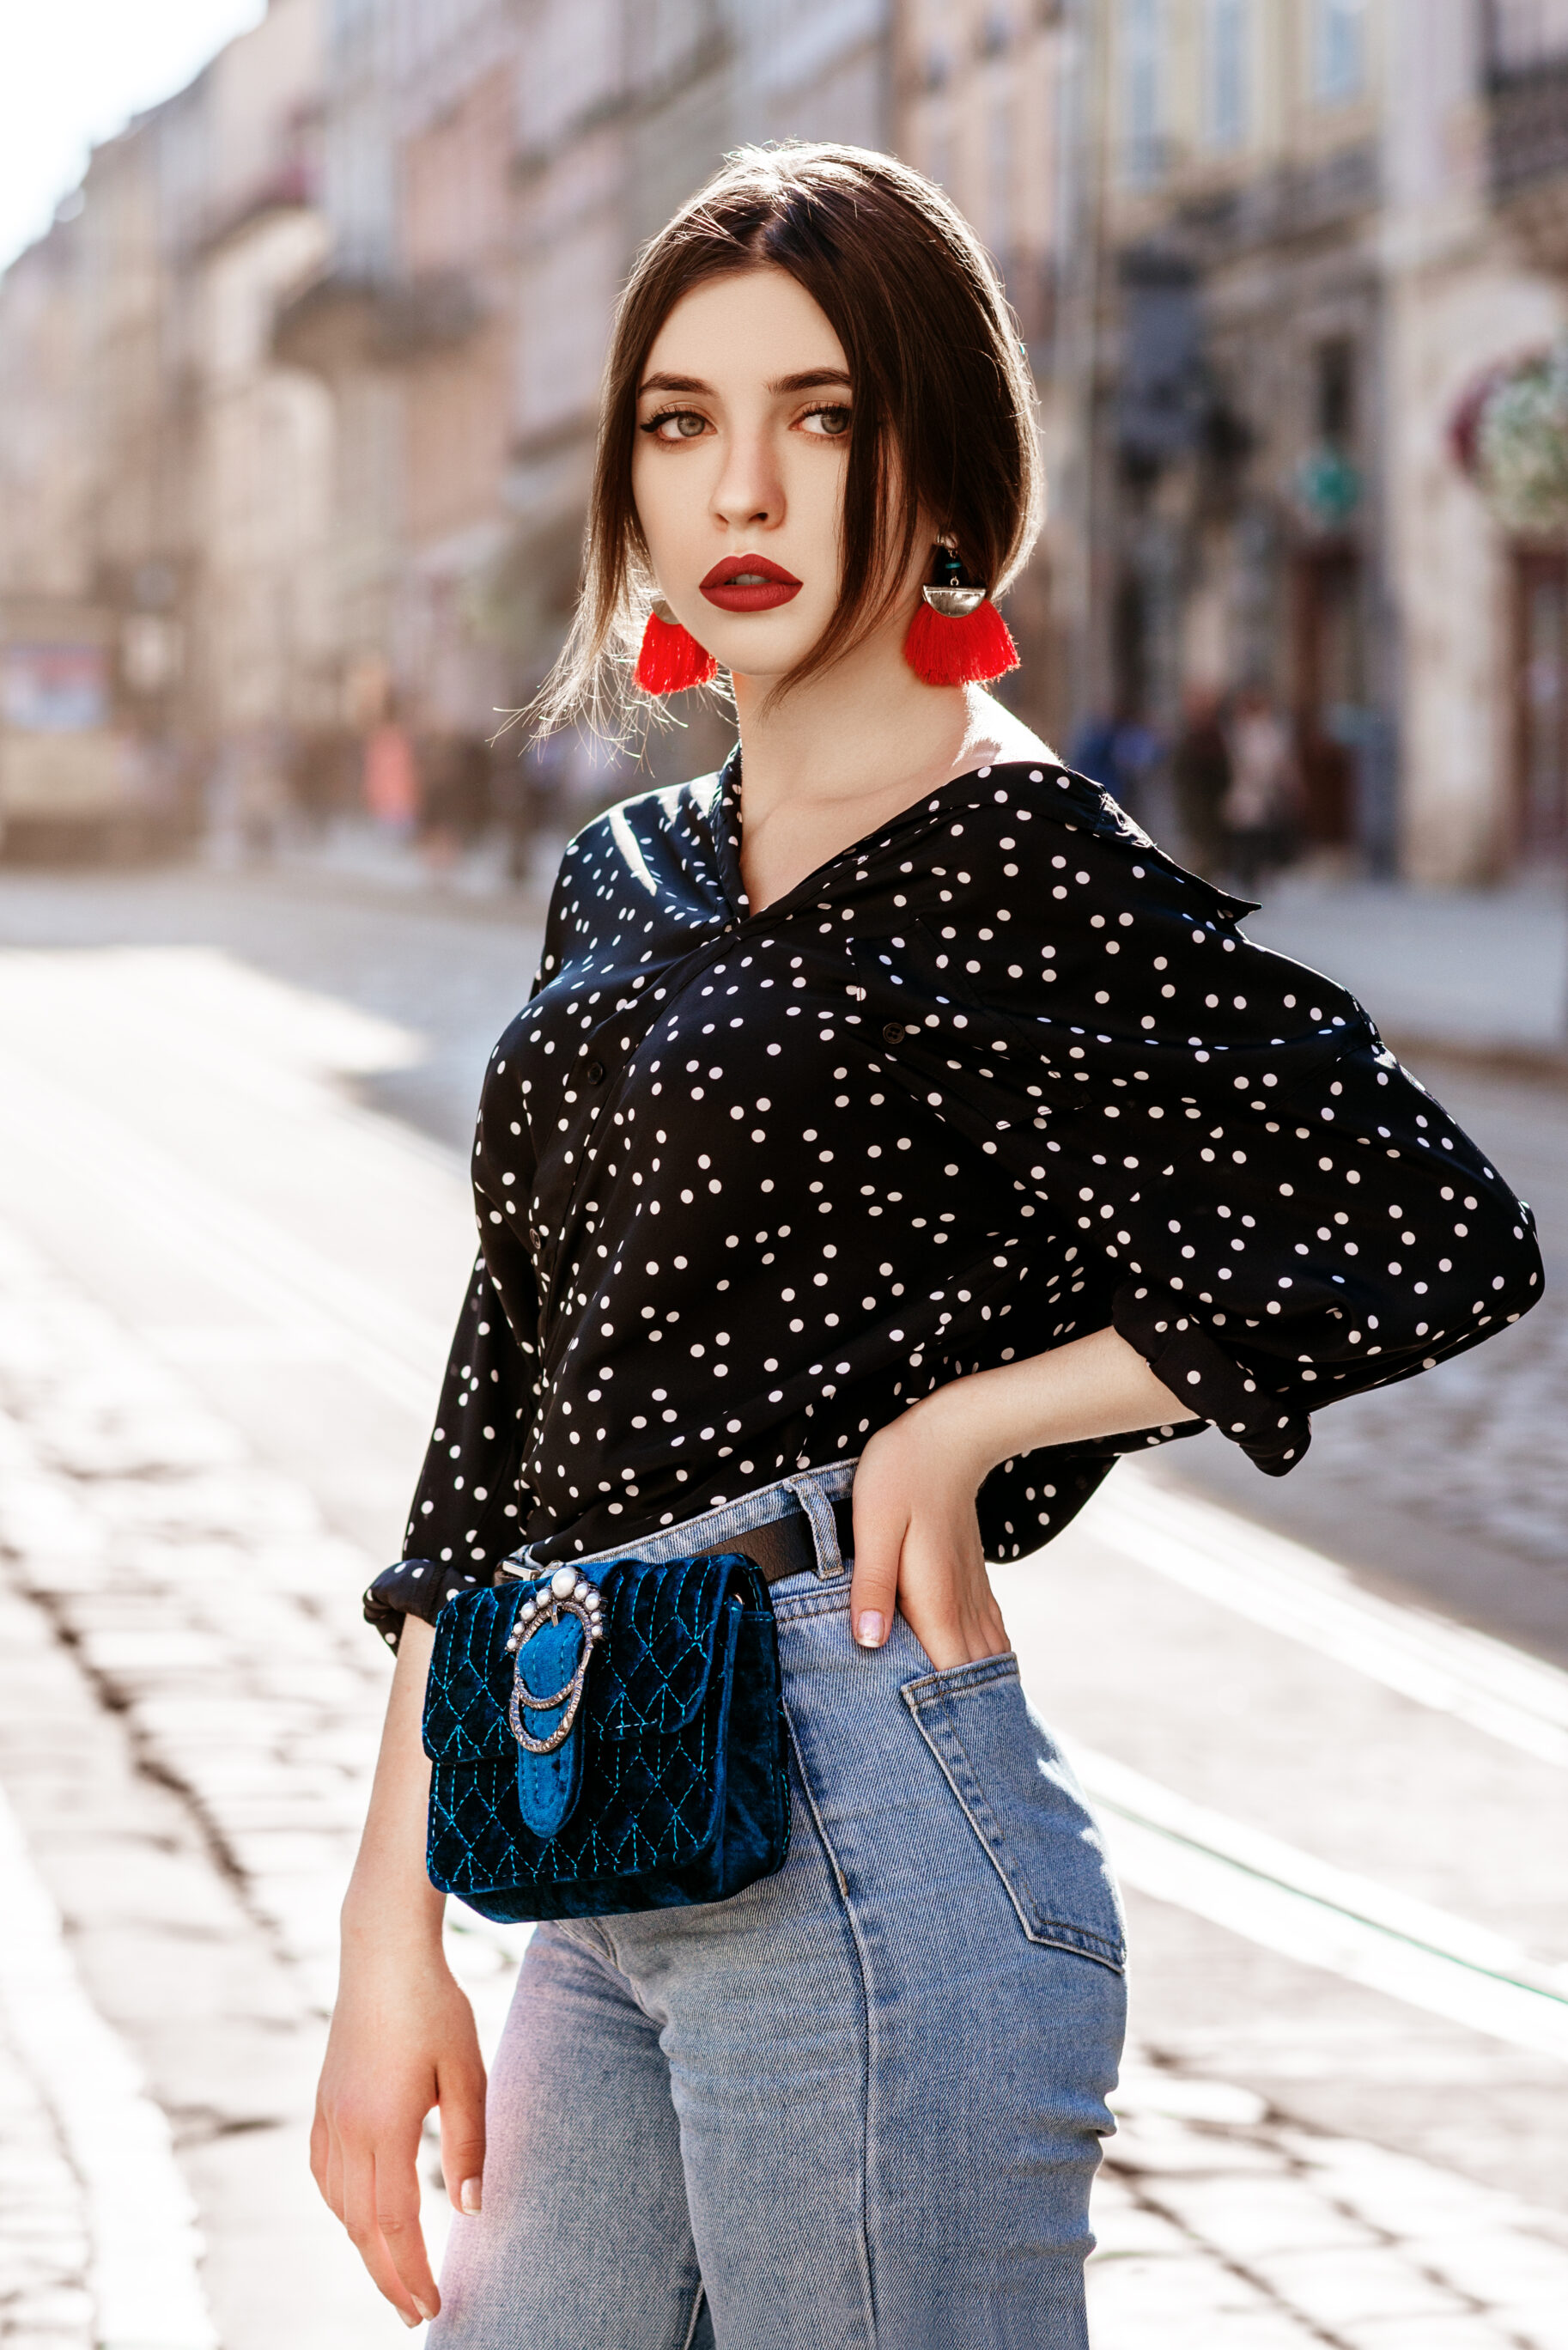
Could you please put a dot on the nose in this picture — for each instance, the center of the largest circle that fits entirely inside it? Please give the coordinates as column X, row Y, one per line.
column 748, row 493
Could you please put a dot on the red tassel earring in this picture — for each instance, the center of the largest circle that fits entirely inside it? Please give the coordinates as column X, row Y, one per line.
column 672, row 659
column 958, row 637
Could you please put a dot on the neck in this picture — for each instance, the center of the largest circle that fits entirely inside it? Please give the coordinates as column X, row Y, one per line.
column 867, row 729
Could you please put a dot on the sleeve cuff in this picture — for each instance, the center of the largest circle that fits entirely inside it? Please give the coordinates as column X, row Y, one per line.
column 413, row 1586
column 1273, row 1433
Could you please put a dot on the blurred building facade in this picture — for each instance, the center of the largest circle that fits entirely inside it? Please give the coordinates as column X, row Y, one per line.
column 164, row 483
column 299, row 391
column 1309, row 233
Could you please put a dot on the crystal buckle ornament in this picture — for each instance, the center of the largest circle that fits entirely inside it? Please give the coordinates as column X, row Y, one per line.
column 568, row 1593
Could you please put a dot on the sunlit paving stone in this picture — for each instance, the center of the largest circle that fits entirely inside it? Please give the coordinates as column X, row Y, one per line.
column 1257, row 2223
column 44, row 2248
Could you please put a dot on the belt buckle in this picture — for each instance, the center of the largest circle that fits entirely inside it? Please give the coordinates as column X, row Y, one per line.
column 566, row 1593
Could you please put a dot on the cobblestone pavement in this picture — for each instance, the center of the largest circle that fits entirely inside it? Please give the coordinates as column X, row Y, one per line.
column 188, row 1707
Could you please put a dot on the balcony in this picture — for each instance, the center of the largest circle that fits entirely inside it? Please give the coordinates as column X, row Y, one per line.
column 343, row 321
column 1526, row 88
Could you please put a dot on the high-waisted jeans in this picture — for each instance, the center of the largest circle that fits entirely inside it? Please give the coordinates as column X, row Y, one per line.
column 858, row 2106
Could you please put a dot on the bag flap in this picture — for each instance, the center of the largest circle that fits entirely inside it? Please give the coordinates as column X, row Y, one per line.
column 662, row 1622
column 470, row 1678
column 650, row 1676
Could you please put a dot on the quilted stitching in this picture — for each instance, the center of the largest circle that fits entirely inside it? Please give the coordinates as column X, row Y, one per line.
column 654, row 1724
column 650, row 1676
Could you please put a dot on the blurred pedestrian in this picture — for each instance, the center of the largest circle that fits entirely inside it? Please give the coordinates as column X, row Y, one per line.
column 1092, row 749
column 391, row 783
column 1259, row 809
column 1120, row 753
column 248, row 793
column 818, row 1265
column 1136, row 753
column 436, row 759
column 530, row 787
column 1200, row 779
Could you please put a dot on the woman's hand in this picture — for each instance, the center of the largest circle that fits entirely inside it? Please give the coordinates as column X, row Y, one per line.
column 917, row 1537
column 402, row 2037
column 402, row 2041
column 916, row 1541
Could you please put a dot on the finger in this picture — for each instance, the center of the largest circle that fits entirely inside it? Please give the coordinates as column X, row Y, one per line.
column 364, row 2233
column 332, row 2180
column 398, row 2218
column 874, row 1585
column 461, row 2093
column 929, row 1599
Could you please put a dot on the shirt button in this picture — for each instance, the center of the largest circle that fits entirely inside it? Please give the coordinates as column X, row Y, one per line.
column 595, row 1073
column 893, row 1033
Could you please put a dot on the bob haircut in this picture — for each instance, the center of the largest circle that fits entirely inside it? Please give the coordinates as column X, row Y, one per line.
column 943, row 402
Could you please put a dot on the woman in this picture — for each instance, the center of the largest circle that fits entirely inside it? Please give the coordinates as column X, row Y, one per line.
column 892, row 1125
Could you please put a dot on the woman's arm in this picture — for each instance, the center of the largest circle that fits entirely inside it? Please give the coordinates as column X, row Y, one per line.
column 402, row 2035
column 917, row 1538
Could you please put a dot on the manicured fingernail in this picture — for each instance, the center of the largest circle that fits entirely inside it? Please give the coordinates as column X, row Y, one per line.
column 870, row 1629
column 468, row 2196
column 408, row 2320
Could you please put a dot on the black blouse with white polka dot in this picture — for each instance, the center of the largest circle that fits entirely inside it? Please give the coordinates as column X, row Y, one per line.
column 996, row 1076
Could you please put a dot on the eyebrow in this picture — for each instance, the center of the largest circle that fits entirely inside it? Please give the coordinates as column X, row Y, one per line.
column 808, row 379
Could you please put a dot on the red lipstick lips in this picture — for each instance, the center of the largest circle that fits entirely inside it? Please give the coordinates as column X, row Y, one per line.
column 749, row 582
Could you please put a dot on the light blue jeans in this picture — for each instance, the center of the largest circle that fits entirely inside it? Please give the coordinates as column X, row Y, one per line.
column 858, row 2106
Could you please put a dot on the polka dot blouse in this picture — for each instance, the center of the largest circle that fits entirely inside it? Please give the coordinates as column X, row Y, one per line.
column 998, row 1076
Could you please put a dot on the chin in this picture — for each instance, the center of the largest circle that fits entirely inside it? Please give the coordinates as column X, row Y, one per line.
column 750, row 656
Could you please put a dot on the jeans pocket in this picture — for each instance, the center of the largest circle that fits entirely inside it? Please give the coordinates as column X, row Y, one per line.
column 1020, row 1798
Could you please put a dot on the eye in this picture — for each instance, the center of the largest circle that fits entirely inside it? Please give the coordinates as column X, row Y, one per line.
column 826, row 423
column 676, row 424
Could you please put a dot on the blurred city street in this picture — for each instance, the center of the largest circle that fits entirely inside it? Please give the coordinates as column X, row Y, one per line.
column 1325, row 1720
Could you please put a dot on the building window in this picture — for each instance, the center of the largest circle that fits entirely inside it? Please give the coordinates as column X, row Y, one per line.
column 1335, row 387
column 1339, row 63
column 1226, row 61
column 1143, row 90
column 1527, row 33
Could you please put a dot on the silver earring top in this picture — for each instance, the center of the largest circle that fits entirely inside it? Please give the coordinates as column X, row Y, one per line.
column 949, row 595
column 954, row 603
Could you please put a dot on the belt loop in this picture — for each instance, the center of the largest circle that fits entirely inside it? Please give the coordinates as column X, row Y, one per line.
column 820, row 1516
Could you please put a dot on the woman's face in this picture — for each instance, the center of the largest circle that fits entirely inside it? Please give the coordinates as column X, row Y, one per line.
column 738, row 472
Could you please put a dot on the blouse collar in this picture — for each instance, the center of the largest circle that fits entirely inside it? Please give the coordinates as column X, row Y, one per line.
column 1077, row 801
column 725, row 821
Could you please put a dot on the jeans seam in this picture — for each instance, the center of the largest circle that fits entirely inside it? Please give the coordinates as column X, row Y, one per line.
column 841, row 1883
column 696, row 2313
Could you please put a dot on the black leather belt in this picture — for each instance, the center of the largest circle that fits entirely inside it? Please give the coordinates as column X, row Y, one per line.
column 785, row 1545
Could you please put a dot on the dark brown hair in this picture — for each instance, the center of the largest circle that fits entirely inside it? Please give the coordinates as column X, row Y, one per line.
column 943, row 409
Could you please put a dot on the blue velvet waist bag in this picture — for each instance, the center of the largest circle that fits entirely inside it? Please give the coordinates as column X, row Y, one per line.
column 607, row 1742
